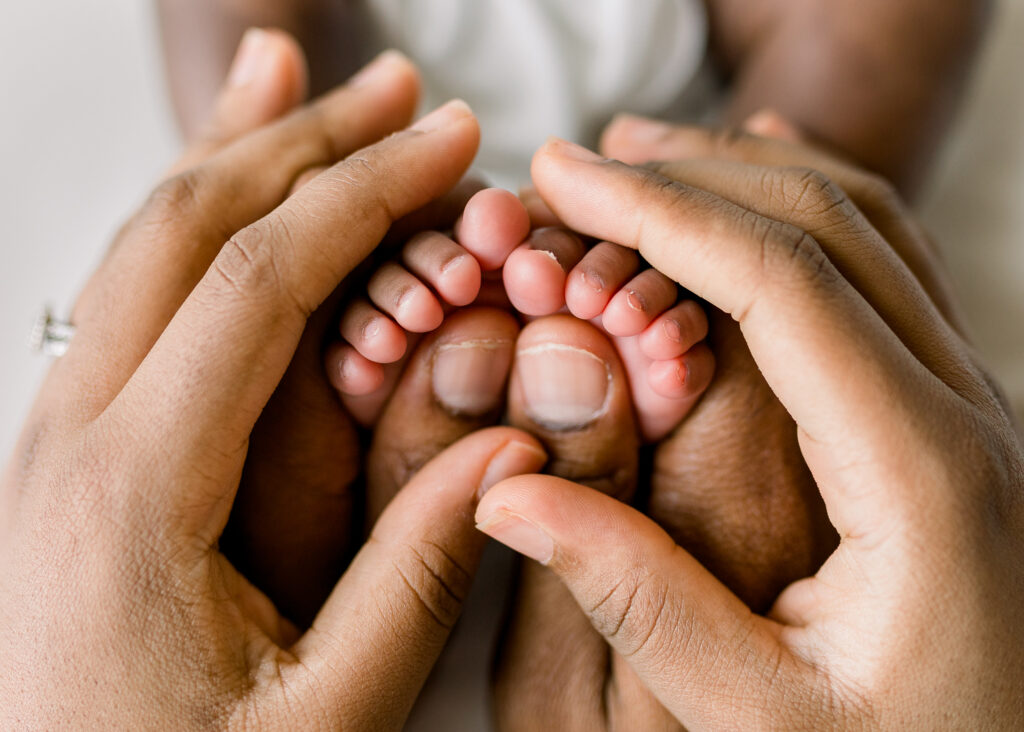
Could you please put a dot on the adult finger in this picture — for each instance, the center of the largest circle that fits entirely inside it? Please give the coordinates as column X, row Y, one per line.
column 169, row 245
column 696, row 646
column 810, row 332
column 226, row 349
column 454, row 383
column 268, row 78
column 569, row 388
column 637, row 140
column 373, row 644
column 292, row 526
column 810, row 200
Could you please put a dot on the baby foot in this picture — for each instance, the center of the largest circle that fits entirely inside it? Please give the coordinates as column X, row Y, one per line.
column 408, row 297
column 543, row 272
column 659, row 337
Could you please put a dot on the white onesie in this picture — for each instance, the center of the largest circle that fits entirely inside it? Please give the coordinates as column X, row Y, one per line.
column 534, row 68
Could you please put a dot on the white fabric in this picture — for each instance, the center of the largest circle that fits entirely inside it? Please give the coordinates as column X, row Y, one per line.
column 534, row 68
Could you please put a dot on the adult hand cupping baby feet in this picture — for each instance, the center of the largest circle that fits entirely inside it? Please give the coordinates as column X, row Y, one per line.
column 909, row 444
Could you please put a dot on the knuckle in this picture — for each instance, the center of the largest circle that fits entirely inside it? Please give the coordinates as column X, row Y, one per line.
column 175, row 197
column 633, row 612
column 790, row 251
column 807, row 192
column 435, row 579
column 250, row 263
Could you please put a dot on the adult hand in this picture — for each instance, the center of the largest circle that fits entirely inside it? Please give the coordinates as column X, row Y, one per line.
column 295, row 523
column 909, row 444
column 118, row 608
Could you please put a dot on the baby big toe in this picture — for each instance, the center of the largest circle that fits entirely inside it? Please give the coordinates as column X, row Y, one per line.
column 534, row 274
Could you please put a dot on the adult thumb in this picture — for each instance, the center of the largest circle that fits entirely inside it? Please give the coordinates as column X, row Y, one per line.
column 698, row 648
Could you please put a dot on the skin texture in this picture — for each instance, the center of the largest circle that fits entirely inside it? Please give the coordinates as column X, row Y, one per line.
column 931, row 519
column 730, row 485
column 129, row 465
column 659, row 340
column 890, row 74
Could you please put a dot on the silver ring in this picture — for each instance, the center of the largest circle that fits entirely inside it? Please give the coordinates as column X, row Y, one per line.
column 49, row 335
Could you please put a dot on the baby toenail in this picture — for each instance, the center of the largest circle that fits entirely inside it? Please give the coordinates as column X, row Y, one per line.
column 371, row 329
column 404, row 297
column 549, row 254
column 635, row 300
column 469, row 376
column 564, row 387
column 672, row 330
column 593, row 281
column 453, row 263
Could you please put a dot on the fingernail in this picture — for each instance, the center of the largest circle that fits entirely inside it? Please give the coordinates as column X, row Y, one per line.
column 381, row 67
column 519, row 534
column 469, row 377
column 572, row 151
column 564, row 388
column 516, row 458
column 443, row 116
column 251, row 58
column 641, row 129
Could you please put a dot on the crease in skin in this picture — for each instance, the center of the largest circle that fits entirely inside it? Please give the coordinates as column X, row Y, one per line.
column 565, row 425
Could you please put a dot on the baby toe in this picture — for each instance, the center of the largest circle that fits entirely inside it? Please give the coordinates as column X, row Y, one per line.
column 372, row 333
column 493, row 224
column 401, row 295
column 350, row 372
column 685, row 377
column 534, row 274
column 675, row 331
column 599, row 275
column 443, row 264
column 639, row 302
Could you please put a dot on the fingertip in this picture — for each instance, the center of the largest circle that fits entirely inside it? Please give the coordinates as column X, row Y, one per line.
column 769, row 123
column 521, row 455
column 634, row 139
